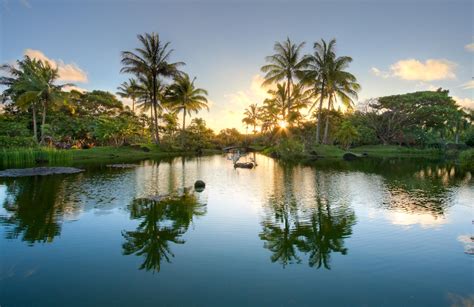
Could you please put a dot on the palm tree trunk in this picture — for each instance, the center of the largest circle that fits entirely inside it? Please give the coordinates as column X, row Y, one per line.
column 288, row 105
column 157, row 132
column 184, row 127
column 318, row 127
column 326, row 127
column 155, row 103
column 43, row 122
column 133, row 105
column 35, row 131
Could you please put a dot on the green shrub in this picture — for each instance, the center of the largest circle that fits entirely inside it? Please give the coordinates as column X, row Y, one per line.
column 290, row 149
column 466, row 159
column 17, row 141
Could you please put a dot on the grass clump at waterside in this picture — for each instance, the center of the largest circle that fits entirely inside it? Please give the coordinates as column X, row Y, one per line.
column 32, row 156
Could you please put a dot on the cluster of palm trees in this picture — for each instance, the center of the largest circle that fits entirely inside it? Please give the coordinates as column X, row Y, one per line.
column 31, row 83
column 151, row 66
column 303, row 82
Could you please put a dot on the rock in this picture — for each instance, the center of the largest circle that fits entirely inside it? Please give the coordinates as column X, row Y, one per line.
column 199, row 184
column 39, row 171
column 243, row 165
column 348, row 156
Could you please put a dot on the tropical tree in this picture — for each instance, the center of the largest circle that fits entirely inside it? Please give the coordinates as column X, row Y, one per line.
column 286, row 64
column 252, row 116
column 339, row 84
column 151, row 61
column 31, row 85
column 184, row 97
column 316, row 74
column 346, row 134
column 129, row 89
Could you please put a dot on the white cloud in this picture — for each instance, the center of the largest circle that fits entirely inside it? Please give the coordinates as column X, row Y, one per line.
column 468, row 85
column 469, row 47
column 467, row 103
column 415, row 70
column 67, row 72
column 430, row 70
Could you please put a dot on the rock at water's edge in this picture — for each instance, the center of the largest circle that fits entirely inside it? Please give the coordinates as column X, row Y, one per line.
column 349, row 156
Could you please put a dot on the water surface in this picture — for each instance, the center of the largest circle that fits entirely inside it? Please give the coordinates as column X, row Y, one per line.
column 363, row 233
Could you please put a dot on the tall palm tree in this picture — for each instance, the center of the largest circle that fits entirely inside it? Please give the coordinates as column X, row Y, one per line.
column 151, row 60
column 251, row 116
column 129, row 89
column 184, row 97
column 316, row 74
column 340, row 84
column 286, row 64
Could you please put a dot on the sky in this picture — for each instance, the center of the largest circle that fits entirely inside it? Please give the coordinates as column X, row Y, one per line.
column 397, row 46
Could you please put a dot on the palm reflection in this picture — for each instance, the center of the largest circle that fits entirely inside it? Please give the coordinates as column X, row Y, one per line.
column 35, row 209
column 293, row 229
column 163, row 223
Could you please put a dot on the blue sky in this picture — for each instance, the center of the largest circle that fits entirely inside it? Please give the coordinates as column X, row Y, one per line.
column 397, row 47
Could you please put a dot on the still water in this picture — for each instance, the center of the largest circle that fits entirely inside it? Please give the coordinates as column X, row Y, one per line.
column 362, row 233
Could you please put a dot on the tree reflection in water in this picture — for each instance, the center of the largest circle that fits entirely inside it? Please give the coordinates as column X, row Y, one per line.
column 35, row 208
column 292, row 229
column 163, row 222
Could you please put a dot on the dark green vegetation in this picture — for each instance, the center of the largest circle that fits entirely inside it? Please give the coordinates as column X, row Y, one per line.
column 309, row 112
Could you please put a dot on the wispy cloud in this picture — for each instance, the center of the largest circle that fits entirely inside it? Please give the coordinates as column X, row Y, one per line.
column 416, row 70
column 67, row 72
column 468, row 85
column 469, row 47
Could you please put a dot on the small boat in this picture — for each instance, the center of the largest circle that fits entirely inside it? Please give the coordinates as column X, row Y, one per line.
column 244, row 165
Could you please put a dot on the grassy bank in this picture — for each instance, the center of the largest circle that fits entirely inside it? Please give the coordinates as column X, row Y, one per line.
column 108, row 154
column 330, row 151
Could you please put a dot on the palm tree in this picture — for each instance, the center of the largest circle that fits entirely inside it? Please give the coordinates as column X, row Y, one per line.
column 286, row 64
column 340, row 84
column 278, row 100
column 251, row 116
column 184, row 96
column 317, row 74
column 144, row 94
column 31, row 84
column 152, row 62
column 129, row 90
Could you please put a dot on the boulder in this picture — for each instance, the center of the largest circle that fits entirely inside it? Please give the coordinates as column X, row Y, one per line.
column 199, row 185
column 348, row 156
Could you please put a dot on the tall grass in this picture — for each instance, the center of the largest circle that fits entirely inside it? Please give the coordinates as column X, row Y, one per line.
column 21, row 157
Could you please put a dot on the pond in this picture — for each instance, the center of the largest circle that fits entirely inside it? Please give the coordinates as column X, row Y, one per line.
column 371, row 232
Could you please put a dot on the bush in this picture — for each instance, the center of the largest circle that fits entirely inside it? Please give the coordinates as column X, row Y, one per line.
column 289, row 149
column 466, row 159
column 18, row 141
